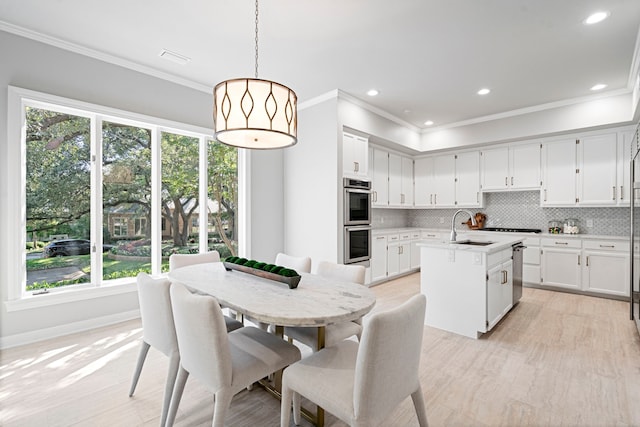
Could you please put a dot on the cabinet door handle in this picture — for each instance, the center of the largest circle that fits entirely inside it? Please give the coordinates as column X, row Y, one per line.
column 356, row 166
column 614, row 192
column 578, row 259
column 587, row 260
column 545, row 194
column 561, row 243
column 375, row 196
column 511, row 180
column 621, row 192
column 505, row 181
column 477, row 197
column 435, row 199
column 430, row 199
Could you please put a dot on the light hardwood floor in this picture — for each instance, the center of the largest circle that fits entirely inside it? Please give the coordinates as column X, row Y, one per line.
column 556, row 360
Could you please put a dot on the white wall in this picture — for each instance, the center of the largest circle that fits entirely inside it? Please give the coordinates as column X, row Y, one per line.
column 37, row 66
column 312, row 186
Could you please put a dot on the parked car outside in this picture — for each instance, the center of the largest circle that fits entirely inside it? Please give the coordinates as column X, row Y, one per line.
column 67, row 247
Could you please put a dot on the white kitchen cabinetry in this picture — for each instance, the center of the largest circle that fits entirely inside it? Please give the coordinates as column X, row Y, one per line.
column 378, row 258
column 444, row 181
column 531, row 261
column 499, row 287
column 398, row 253
column 597, row 170
column 514, row 167
column 380, row 178
column 415, row 251
column 424, row 188
column 561, row 263
column 606, row 267
column 559, row 173
column 467, row 180
column 625, row 144
column 400, row 181
column 355, row 156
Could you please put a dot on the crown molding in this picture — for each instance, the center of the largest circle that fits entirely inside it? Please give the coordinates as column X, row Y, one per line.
column 101, row 56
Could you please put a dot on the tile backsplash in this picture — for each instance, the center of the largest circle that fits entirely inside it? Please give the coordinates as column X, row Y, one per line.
column 520, row 209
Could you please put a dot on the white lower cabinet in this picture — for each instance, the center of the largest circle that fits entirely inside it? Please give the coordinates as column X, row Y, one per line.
column 606, row 267
column 379, row 258
column 531, row 261
column 561, row 263
column 398, row 254
column 415, row 250
column 499, row 288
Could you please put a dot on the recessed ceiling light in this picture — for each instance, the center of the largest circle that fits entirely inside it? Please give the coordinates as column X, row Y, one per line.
column 596, row 17
column 483, row 91
column 372, row 92
column 599, row 86
column 428, row 123
column 175, row 57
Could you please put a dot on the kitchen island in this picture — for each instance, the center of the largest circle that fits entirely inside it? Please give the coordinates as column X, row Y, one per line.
column 468, row 284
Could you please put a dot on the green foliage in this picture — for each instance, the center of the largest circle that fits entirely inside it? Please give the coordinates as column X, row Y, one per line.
column 259, row 265
column 241, row 261
column 268, row 267
column 277, row 269
column 287, row 272
column 251, row 263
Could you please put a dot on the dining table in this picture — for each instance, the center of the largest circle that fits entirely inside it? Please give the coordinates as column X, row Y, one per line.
column 316, row 302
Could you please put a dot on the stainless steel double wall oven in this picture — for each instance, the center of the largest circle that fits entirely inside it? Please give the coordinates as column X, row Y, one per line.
column 357, row 221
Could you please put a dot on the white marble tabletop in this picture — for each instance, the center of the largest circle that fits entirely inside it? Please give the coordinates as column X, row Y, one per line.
column 317, row 301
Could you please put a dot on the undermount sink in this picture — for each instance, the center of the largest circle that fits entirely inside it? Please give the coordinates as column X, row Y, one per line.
column 471, row 242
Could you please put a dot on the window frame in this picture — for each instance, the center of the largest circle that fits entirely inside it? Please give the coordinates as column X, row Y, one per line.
column 17, row 298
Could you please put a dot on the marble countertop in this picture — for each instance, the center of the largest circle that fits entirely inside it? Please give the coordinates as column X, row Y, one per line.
column 497, row 244
column 317, row 301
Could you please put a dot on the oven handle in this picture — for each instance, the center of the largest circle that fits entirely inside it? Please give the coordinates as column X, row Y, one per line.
column 358, row 228
column 357, row 190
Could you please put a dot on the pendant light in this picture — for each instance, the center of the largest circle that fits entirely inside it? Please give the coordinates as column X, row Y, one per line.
column 255, row 113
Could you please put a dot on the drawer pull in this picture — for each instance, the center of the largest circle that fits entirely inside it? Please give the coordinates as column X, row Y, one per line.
column 380, row 238
column 561, row 243
column 607, row 246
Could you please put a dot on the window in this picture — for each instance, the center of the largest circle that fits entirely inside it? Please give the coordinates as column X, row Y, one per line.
column 120, row 227
column 140, row 202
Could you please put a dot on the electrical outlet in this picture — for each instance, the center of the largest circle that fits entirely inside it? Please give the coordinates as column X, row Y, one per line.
column 589, row 223
column 441, row 220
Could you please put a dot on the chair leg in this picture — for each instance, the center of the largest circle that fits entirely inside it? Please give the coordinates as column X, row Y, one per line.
column 418, row 403
column 174, row 366
column 296, row 408
column 285, row 406
column 144, row 349
column 221, row 405
column 178, row 389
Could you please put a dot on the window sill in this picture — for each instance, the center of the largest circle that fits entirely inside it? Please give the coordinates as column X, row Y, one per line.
column 62, row 297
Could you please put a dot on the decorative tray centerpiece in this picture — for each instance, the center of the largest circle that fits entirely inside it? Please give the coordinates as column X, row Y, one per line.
column 264, row 270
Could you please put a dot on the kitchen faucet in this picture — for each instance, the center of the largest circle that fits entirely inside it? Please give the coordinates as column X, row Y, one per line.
column 453, row 223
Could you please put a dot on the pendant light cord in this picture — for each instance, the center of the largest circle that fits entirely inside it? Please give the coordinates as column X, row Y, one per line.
column 256, row 39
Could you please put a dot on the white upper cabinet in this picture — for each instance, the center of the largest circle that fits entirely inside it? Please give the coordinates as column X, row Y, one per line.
column 407, row 182
column 524, row 167
column 514, row 167
column 380, row 178
column 400, row 181
column 468, row 179
column 597, row 170
column 559, row 173
column 355, row 156
column 625, row 144
column 424, row 188
column 444, row 181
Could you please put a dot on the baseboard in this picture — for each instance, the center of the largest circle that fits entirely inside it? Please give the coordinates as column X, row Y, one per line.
column 66, row 329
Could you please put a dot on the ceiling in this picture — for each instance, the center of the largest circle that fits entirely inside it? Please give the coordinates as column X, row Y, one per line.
column 427, row 58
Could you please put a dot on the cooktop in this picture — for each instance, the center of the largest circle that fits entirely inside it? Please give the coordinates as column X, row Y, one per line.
column 513, row 230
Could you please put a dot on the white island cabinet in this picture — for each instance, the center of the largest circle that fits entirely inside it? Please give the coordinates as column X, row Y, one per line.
column 469, row 288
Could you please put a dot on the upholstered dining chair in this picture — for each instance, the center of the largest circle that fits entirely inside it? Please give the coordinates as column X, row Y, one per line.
column 363, row 383
column 157, row 331
column 224, row 363
column 184, row 260
column 335, row 332
column 299, row 264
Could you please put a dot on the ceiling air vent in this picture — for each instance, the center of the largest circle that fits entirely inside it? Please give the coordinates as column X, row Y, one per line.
column 175, row 57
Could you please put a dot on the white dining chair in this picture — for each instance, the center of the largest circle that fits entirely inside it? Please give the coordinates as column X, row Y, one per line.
column 299, row 264
column 184, row 260
column 224, row 362
column 336, row 332
column 361, row 384
column 157, row 332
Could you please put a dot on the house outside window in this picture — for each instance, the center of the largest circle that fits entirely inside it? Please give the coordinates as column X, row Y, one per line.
column 120, row 227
